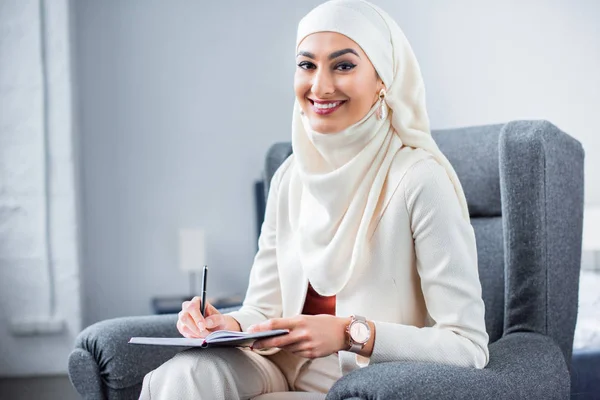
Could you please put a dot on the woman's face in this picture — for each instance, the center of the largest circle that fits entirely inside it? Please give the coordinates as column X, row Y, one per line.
column 335, row 83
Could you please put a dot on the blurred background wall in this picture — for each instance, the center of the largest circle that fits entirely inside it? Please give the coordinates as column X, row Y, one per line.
column 176, row 103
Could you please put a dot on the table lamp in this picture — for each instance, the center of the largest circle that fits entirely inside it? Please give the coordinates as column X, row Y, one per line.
column 192, row 255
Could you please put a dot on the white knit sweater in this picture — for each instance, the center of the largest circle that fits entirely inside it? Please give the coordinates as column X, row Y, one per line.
column 421, row 288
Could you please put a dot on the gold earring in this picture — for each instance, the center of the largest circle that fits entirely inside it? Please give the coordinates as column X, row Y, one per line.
column 382, row 109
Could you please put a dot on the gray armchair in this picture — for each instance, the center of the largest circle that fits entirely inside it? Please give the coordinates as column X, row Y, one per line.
column 524, row 185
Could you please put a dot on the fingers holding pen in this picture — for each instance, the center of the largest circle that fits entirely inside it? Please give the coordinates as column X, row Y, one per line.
column 213, row 318
column 191, row 318
column 193, row 308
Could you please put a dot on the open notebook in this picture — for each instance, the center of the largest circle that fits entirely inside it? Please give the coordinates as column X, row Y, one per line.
column 215, row 339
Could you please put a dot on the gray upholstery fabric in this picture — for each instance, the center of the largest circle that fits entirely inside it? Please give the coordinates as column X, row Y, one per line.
column 490, row 254
column 104, row 365
column 524, row 187
column 522, row 366
column 473, row 153
column 541, row 174
column 84, row 374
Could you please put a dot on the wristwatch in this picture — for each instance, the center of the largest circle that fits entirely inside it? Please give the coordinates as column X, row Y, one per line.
column 358, row 333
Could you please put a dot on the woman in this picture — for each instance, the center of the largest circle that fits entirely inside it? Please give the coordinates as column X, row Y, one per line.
column 366, row 254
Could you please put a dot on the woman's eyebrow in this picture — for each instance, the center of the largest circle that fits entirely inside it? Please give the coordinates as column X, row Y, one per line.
column 305, row 54
column 339, row 53
column 333, row 55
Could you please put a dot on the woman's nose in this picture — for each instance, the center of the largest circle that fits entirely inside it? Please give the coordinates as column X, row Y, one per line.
column 323, row 84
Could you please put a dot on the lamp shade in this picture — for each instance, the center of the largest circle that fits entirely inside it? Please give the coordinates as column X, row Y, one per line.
column 192, row 250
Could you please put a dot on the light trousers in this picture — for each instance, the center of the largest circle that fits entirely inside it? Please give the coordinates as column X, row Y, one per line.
column 236, row 373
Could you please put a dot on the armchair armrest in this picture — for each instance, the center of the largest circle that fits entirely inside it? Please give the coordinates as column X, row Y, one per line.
column 104, row 366
column 522, row 366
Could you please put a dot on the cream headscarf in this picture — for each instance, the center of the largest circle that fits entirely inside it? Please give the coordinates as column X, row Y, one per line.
column 339, row 177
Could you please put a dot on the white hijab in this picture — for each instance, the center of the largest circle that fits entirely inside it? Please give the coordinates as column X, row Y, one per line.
column 339, row 177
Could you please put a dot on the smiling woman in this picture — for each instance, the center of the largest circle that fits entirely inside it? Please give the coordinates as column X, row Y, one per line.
column 366, row 254
column 335, row 82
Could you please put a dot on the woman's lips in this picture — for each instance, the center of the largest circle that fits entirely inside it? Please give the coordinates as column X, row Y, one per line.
column 326, row 107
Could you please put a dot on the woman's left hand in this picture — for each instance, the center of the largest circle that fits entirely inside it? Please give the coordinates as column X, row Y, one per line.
column 310, row 336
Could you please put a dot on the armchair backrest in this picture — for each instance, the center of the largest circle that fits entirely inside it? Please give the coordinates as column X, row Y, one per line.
column 524, row 186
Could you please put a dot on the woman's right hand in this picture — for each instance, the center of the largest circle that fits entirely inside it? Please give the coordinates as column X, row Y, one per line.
column 192, row 325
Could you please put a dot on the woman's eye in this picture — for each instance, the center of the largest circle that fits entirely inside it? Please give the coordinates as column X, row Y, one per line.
column 306, row 65
column 345, row 66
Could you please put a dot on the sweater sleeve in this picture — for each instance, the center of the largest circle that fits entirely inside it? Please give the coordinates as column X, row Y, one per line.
column 263, row 297
column 446, row 260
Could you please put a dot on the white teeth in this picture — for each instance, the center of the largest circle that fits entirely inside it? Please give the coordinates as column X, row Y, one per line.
column 327, row 105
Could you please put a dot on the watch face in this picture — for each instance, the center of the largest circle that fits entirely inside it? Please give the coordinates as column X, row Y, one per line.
column 359, row 332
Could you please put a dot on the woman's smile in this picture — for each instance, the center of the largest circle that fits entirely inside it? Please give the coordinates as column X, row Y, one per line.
column 326, row 107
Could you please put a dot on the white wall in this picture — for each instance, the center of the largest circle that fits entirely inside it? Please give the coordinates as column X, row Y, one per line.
column 179, row 101
column 28, row 108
